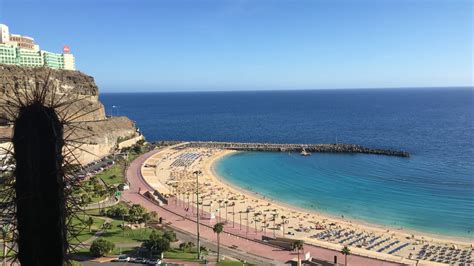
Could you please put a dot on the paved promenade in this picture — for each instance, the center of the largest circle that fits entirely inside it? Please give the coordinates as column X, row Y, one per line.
column 175, row 215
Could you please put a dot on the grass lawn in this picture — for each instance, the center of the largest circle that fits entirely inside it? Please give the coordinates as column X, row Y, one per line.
column 179, row 254
column 95, row 212
column 96, row 198
column 116, row 234
column 132, row 156
column 232, row 263
column 93, row 196
column 113, row 175
column 85, row 234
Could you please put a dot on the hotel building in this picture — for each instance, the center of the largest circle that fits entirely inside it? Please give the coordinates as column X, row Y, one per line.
column 23, row 51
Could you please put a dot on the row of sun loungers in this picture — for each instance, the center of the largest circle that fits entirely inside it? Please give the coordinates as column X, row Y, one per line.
column 388, row 246
column 398, row 248
column 378, row 243
column 353, row 238
column 449, row 255
column 349, row 238
column 186, row 159
column 359, row 240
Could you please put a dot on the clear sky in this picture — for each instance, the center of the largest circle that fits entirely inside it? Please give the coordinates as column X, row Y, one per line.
column 168, row 45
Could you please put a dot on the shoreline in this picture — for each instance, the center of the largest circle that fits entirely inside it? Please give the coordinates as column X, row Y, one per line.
column 210, row 168
column 172, row 172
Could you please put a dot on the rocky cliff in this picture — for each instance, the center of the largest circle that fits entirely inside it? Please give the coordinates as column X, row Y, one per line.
column 98, row 134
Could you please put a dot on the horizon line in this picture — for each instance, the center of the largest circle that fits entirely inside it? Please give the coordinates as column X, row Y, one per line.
column 289, row 90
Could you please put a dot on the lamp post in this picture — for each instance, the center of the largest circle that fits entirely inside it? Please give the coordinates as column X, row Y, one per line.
column 197, row 173
column 202, row 205
column 274, row 218
column 247, row 229
column 264, row 223
column 240, row 218
column 233, row 215
column 226, row 212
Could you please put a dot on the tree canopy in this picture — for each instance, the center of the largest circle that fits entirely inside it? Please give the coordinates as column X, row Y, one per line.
column 157, row 243
column 101, row 247
column 136, row 212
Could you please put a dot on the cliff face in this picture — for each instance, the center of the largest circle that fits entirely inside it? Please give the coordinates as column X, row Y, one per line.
column 74, row 85
column 98, row 134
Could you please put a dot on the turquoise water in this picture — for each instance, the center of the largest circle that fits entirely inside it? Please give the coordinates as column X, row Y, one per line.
column 391, row 191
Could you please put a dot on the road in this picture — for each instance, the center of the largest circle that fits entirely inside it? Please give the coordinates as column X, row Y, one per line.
column 247, row 248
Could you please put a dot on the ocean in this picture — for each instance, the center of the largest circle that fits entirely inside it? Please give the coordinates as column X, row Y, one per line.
column 431, row 191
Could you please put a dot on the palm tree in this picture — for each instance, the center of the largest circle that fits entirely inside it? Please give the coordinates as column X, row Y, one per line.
column 146, row 218
column 283, row 218
column 89, row 222
column 255, row 221
column 218, row 228
column 298, row 245
column 106, row 226
column 345, row 251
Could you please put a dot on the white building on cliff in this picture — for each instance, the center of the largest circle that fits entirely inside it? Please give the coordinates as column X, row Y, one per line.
column 23, row 51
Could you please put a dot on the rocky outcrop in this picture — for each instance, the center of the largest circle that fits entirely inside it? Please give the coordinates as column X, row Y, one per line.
column 68, row 86
column 93, row 134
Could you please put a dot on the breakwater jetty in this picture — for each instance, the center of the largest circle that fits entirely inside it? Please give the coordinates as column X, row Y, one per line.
column 274, row 147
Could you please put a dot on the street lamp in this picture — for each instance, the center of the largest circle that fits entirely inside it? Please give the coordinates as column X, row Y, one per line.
column 198, row 173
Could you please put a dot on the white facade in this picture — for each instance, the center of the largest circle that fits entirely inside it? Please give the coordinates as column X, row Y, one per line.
column 4, row 34
column 22, row 50
column 69, row 63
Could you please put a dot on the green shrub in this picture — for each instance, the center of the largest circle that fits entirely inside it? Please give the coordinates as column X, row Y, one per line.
column 101, row 247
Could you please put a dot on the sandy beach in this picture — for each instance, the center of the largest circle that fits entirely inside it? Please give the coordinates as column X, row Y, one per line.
column 173, row 170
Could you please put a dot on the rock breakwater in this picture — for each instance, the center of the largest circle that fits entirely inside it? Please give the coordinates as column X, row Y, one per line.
column 273, row 147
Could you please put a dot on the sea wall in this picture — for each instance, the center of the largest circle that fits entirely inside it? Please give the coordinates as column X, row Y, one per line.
column 327, row 148
column 130, row 142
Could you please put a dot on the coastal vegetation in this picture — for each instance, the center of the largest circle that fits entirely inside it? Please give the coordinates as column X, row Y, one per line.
column 298, row 245
column 218, row 228
column 101, row 247
column 157, row 243
column 345, row 251
column 233, row 263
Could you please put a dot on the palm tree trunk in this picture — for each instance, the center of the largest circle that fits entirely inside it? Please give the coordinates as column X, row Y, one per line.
column 299, row 262
column 218, row 247
column 345, row 259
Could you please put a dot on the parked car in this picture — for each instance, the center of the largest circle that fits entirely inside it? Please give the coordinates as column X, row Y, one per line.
column 138, row 260
column 123, row 258
column 153, row 262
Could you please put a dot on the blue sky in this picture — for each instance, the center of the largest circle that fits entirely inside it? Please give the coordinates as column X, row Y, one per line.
column 174, row 45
